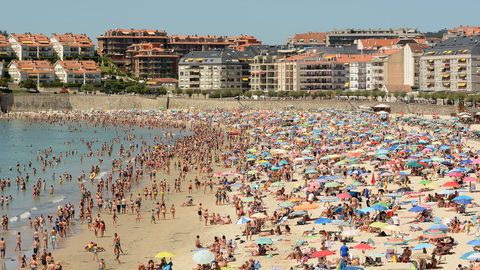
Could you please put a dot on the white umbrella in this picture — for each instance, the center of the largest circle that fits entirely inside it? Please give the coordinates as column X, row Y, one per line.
column 243, row 220
column 203, row 257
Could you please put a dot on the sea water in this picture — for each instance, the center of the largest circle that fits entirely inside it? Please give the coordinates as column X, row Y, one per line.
column 20, row 142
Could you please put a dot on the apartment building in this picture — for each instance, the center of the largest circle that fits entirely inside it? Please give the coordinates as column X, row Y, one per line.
column 346, row 37
column 151, row 60
column 308, row 39
column 214, row 70
column 412, row 53
column 31, row 46
column 452, row 65
column 316, row 73
column 5, row 48
column 357, row 69
column 462, row 30
column 114, row 43
column 72, row 46
column 78, row 72
column 40, row 71
column 263, row 73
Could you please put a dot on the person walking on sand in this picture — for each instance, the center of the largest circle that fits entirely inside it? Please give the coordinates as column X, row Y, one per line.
column 172, row 211
column 3, row 245
column 19, row 242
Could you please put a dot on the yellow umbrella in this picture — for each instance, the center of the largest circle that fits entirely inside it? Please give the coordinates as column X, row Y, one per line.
column 164, row 254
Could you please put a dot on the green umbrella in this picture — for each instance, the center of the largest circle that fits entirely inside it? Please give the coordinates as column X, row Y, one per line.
column 264, row 241
column 332, row 184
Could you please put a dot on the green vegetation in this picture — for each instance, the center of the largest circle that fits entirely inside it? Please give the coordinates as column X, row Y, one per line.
column 28, row 84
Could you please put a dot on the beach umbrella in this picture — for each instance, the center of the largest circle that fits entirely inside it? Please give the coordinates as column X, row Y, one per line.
column 259, row 216
column 363, row 246
column 264, row 241
column 422, row 246
column 164, row 254
column 344, row 195
column 438, row 227
column 425, row 182
column 306, row 206
column 474, row 242
column 203, row 257
column 470, row 179
column 286, row 204
column 366, row 210
column 243, row 220
column 379, row 207
column 474, row 257
column 451, row 184
column 466, row 255
column 321, row 254
column 352, row 268
column 417, row 209
column 446, row 192
column 463, row 201
column 332, row 185
column 323, row 220
column 462, row 197
column 379, row 225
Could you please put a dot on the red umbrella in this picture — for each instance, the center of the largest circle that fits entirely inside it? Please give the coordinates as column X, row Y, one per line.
column 321, row 254
column 363, row 246
column 344, row 196
column 451, row 184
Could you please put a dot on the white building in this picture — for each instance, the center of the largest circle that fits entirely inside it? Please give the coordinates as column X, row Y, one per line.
column 78, row 72
column 72, row 46
column 412, row 53
column 40, row 71
column 31, row 46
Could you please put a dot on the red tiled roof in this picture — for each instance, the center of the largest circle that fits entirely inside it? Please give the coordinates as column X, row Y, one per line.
column 79, row 66
column 418, row 48
column 351, row 58
column 73, row 40
column 37, row 40
column 465, row 30
column 4, row 41
column 310, row 37
column 33, row 66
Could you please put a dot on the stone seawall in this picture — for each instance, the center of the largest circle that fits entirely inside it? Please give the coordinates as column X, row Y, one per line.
column 81, row 102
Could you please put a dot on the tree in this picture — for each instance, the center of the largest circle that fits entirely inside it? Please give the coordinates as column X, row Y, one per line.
column 87, row 87
column 188, row 92
column 271, row 93
column 28, row 84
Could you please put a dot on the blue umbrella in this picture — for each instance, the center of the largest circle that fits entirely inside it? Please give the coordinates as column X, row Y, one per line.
column 417, row 209
column 462, row 197
column 468, row 254
column 474, row 242
column 243, row 220
column 323, row 220
column 422, row 246
column 463, row 201
column 379, row 207
column 366, row 210
column 438, row 227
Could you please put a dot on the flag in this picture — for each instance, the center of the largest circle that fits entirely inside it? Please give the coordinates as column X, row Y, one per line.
column 373, row 179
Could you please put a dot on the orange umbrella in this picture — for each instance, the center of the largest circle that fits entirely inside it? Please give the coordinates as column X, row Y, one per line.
column 306, row 206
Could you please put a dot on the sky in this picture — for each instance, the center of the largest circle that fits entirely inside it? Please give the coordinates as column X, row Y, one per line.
column 271, row 21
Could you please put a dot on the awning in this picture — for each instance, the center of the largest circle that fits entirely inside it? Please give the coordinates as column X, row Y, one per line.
column 462, row 84
column 347, row 84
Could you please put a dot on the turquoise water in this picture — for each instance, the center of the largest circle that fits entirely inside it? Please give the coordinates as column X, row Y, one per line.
column 22, row 141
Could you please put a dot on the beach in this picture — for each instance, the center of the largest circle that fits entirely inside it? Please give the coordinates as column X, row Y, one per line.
column 284, row 190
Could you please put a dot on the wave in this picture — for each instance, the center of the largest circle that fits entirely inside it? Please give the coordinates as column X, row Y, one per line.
column 58, row 199
column 13, row 219
column 34, row 208
column 101, row 175
column 25, row 215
